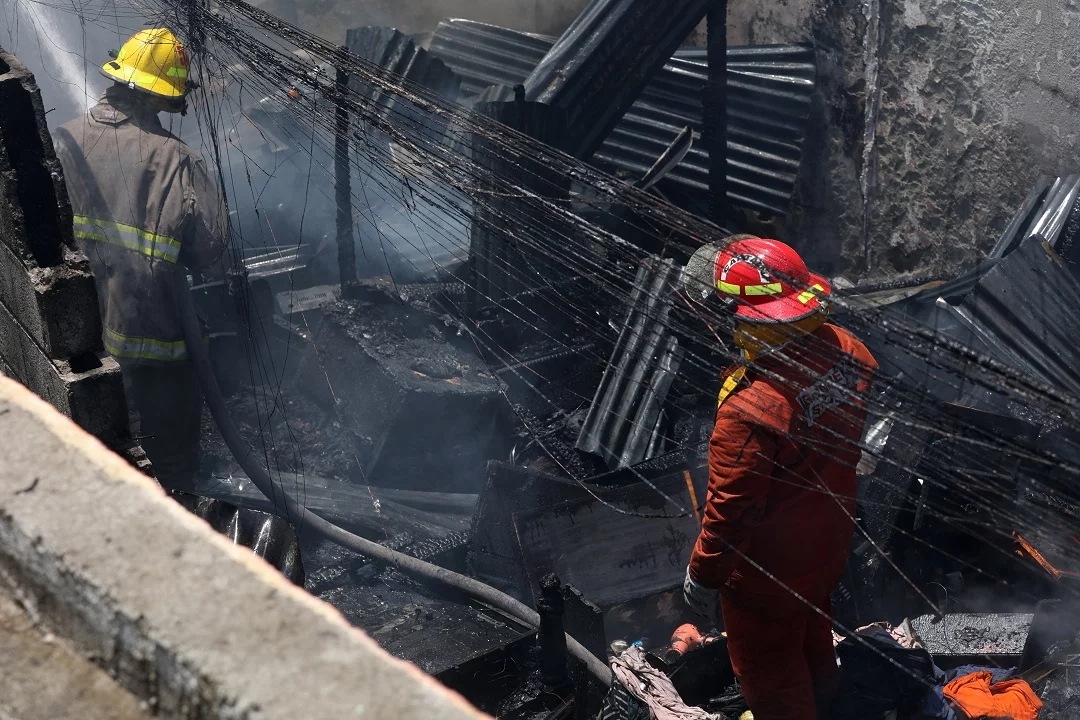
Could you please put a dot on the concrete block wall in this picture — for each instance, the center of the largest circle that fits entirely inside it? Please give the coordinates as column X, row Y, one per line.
column 191, row 626
column 50, row 327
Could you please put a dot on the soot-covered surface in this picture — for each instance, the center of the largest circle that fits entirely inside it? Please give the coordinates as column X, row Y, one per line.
column 399, row 377
column 406, row 618
column 296, row 435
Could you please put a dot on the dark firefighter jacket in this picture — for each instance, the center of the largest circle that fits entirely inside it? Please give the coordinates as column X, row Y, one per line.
column 145, row 208
column 782, row 464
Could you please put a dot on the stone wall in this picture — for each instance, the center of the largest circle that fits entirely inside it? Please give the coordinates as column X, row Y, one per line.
column 50, row 329
column 977, row 99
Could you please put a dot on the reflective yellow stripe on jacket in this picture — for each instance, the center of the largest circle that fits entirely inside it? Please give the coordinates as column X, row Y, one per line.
column 137, row 348
column 731, row 384
column 158, row 247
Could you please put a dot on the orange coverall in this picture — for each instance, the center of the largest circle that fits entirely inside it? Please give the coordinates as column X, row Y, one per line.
column 782, row 489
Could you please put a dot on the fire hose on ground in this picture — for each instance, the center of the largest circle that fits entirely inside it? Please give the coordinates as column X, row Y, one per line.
column 312, row 523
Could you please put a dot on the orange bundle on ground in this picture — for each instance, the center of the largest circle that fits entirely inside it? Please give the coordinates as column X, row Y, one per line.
column 1008, row 700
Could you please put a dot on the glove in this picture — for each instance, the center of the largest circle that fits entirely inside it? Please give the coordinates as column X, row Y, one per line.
column 701, row 600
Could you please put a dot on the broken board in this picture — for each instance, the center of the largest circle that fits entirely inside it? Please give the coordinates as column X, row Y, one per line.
column 618, row 545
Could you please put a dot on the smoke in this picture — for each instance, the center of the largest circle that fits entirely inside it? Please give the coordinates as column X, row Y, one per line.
column 279, row 175
column 62, row 50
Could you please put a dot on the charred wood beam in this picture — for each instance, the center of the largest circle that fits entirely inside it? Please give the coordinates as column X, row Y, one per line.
column 716, row 110
column 551, row 638
column 501, row 265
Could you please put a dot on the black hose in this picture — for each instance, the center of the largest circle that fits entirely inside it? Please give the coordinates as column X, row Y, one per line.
column 311, row 522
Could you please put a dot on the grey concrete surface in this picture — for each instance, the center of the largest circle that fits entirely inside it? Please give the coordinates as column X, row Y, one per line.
column 978, row 98
column 44, row 679
column 172, row 611
column 57, row 306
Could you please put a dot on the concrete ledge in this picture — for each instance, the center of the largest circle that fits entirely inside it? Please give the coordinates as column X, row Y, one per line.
column 182, row 619
column 93, row 397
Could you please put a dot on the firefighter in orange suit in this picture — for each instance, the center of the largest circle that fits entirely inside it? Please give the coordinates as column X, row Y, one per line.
column 780, row 511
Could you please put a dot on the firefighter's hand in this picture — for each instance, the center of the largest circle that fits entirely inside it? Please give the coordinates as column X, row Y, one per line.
column 700, row 599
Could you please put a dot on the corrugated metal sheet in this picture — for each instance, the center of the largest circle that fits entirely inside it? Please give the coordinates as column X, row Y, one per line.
column 401, row 55
column 769, row 95
column 1022, row 311
column 601, row 64
column 625, row 422
column 1028, row 307
column 1021, row 306
column 1045, row 213
column 388, row 225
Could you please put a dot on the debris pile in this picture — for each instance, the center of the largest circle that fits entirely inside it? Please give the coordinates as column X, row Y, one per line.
column 515, row 418
column 513, row 384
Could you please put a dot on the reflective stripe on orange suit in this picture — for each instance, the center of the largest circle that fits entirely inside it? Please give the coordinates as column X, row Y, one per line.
column 782, row 487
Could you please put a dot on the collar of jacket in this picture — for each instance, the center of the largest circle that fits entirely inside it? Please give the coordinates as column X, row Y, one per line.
column 798, row 362
column 115, row 109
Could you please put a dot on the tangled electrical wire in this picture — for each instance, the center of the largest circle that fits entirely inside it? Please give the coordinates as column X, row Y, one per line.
column 556, row 246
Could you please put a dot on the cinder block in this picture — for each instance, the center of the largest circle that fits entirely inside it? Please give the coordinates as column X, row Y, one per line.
column 91, row 393
column 57, row 306
column 35, row 214
column 958, row 639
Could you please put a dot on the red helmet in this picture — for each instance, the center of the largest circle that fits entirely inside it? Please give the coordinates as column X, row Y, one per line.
column 768, row 280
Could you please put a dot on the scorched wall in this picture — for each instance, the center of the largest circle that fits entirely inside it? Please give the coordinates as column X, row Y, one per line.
column 977, row 99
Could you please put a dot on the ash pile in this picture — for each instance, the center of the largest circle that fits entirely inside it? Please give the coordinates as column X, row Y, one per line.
column 488, row 406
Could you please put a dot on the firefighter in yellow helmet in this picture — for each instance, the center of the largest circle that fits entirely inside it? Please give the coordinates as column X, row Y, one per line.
column 146, row 210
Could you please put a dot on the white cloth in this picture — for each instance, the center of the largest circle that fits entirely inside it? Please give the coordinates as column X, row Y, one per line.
column 654, row 688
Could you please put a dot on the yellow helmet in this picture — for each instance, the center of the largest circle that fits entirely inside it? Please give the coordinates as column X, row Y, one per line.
column 153, row 61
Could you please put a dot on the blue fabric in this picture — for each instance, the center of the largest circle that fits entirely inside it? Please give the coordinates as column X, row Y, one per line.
column 936, row 706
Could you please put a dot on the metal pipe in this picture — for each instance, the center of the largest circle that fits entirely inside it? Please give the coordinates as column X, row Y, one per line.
column 346, row 250
column 308, row 522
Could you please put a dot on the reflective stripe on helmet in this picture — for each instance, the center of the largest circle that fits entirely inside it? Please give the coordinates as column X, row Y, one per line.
column 766, row 289
column 139, row 348
column 159, row 247
column 810, row 294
